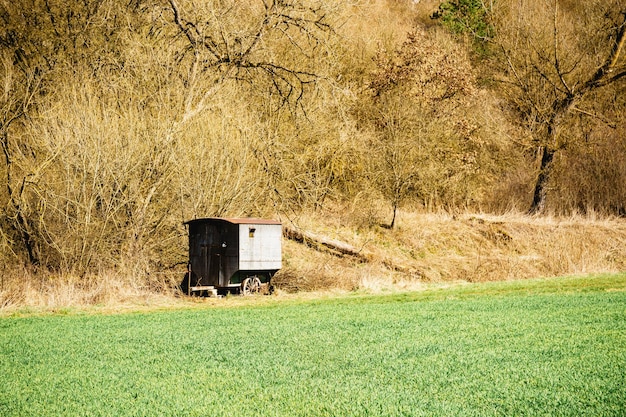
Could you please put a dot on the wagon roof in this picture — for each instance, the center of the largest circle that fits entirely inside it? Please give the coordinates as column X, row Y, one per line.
column 234, row 220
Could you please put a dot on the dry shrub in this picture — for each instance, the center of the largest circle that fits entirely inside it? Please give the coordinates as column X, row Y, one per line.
column 591, row 176
column 27, row 289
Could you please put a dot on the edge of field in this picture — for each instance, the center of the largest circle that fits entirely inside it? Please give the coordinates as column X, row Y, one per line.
column 592, row 283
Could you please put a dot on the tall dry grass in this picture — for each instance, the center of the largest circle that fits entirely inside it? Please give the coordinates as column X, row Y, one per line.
column 424, row 249
column 427, row 247
column 23, row 289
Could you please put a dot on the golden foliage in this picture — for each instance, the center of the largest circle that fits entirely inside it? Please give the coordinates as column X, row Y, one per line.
column 120, row 120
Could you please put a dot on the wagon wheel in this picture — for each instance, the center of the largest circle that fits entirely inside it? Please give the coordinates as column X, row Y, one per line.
column 251, row 285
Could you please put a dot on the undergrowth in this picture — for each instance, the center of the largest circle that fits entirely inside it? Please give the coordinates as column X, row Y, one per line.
column 423, row 249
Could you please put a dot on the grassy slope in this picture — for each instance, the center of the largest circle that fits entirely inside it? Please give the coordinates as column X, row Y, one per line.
column 551, row 347
column 423, row 250
column 442, row 248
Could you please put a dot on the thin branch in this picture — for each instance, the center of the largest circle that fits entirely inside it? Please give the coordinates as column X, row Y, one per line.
column 557, row 62
column 520, row 83
column 612, row 79
column 606, row 121
column 601, row 76
column 179, row 23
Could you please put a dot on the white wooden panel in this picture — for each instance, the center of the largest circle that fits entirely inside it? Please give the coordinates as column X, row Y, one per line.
column 260, row 246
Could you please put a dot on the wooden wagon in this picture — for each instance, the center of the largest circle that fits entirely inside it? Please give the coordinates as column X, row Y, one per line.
column 232, row 254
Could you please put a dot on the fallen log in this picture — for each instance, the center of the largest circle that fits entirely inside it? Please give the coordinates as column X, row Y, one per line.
column 315, row 241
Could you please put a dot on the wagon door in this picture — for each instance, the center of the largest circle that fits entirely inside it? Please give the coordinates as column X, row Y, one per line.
column 212, row 258
column 206, row 253
column 213, row 264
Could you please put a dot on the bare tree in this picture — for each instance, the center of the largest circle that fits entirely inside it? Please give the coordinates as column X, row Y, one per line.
column 19, row 90
column 555, row 55
column 425, row 139
column 24, row 76
column 230, row 40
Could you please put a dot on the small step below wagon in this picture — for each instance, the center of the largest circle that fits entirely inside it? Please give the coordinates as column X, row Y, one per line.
column 210, row 290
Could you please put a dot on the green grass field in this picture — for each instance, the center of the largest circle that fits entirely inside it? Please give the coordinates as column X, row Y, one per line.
column 552, row 347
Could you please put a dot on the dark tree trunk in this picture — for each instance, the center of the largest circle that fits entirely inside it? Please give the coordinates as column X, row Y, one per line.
column 539, row 193
column 567, row 90
column 393, row 219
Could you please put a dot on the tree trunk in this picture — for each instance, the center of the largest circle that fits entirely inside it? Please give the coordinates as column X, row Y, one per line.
column 539, row 193
column 315, row 240
column 393, row 219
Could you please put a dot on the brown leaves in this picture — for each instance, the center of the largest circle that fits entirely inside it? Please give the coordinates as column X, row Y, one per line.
column 426, row 66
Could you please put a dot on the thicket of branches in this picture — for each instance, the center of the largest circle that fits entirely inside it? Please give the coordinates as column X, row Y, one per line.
column 121, row 119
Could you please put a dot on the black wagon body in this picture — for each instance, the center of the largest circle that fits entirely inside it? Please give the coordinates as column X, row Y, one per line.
column 232, row 253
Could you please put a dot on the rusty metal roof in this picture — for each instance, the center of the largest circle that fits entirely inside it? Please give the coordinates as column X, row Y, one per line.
column 235, row 220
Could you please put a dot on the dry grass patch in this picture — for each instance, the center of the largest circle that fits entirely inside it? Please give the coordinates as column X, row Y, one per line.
column 422, row 251
column 25, row 290
column 467, row 247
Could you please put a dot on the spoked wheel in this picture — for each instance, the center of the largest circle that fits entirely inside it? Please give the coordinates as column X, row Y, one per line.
column 251, row 285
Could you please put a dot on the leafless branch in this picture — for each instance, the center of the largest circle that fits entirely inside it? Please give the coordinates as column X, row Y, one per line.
column 184, row 28
column 606, row 121
column 603, row 75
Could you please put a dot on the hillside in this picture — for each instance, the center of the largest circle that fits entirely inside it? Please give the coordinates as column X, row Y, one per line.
column 439, row 248
column 423, row 251
column 120, row 120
